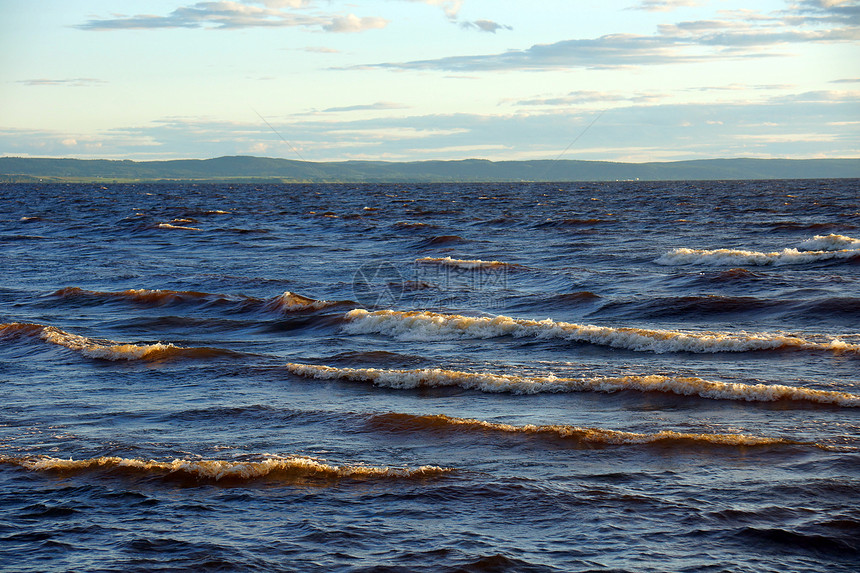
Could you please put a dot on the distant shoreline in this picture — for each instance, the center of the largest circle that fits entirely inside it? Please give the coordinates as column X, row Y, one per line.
column 246, row 169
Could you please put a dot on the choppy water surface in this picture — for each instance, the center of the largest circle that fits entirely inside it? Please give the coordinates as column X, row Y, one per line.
column 574, row 377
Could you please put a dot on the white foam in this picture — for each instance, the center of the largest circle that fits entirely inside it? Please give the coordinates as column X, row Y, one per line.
column 830, row 242
column 514, row 384
column 224, row 470
column 464, row 263
column 819, row 248
column 181, row 227
column 430, row 326
column 105, row 350
column 292, row 302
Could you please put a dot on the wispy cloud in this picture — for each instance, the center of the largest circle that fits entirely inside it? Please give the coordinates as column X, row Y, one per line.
column 380, row 105
column 734, row 34
column 451, row 8
column 808, row 124
column 352, row 23
column 485, row 26
column 72, row 82
column 320, row 50
column 230, row 15
column 581, row 97
column 665, row 5
column 614, row 50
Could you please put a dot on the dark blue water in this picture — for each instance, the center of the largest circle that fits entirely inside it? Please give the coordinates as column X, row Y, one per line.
column 572, row 377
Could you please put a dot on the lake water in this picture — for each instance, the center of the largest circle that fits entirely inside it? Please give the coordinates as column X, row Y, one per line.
column 621, row 376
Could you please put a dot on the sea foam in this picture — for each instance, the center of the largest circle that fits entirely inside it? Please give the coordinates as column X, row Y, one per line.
column 107, row 349
column 465, row 263
column 291, row 467
column 818, row 248
column 420, row 325
column 583, row 435
column 515, row 384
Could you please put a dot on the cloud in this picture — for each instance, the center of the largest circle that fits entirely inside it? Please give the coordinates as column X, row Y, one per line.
column 841, row 11
column 380, row 105
column 797, row 125
column 352, row 23
column 735, row 34
column 580, row 97
column 451, row 8
column 486, row 26
column 614, row 50
column 665, row 5
column 320, row 50
column 73, row 82
column 231, row 15
column 744, row 87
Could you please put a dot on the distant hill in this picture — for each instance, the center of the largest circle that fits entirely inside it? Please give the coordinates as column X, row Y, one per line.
column 243, row 168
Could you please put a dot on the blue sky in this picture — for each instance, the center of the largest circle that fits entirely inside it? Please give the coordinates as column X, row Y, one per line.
column 324, row 80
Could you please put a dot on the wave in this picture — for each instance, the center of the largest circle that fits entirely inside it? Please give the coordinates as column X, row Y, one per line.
column 819, row 248
column 514, row 384
column 843, row 309
column 274, row 468
column 107, row 349
column 171, row 225
column 155, row 297
column 418, row 325
column 798, row 226
column 414, row 225
column 733, row 275
column 441, row 240
column 465, row 263
column 292, row 302
column 409, row 422
column 692, row 306
column 575, row 222
column 829, row 243
column 286, row 302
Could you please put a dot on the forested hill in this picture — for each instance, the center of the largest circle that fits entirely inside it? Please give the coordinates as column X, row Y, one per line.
column 239, row 168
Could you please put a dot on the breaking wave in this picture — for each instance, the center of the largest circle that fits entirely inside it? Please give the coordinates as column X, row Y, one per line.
column 172, row 225
column 486, row 382
column 829, row 243
column 410, row 422
column 107, row 349
column 274, row 468
column 292, row 302
column 818, row 248
column 420, row 325
column 465, row 263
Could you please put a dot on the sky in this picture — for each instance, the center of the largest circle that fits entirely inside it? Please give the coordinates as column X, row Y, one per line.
column 408, row 80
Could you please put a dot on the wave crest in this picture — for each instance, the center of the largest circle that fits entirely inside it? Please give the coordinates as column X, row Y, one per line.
column 421, row 325
column 819, row 248
column 292, row 302
column 487, row 382
column 465, row 263
column 286, row 468
column 108, row 350
column 599, row 436
column 831, row 242
column 156, row 297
